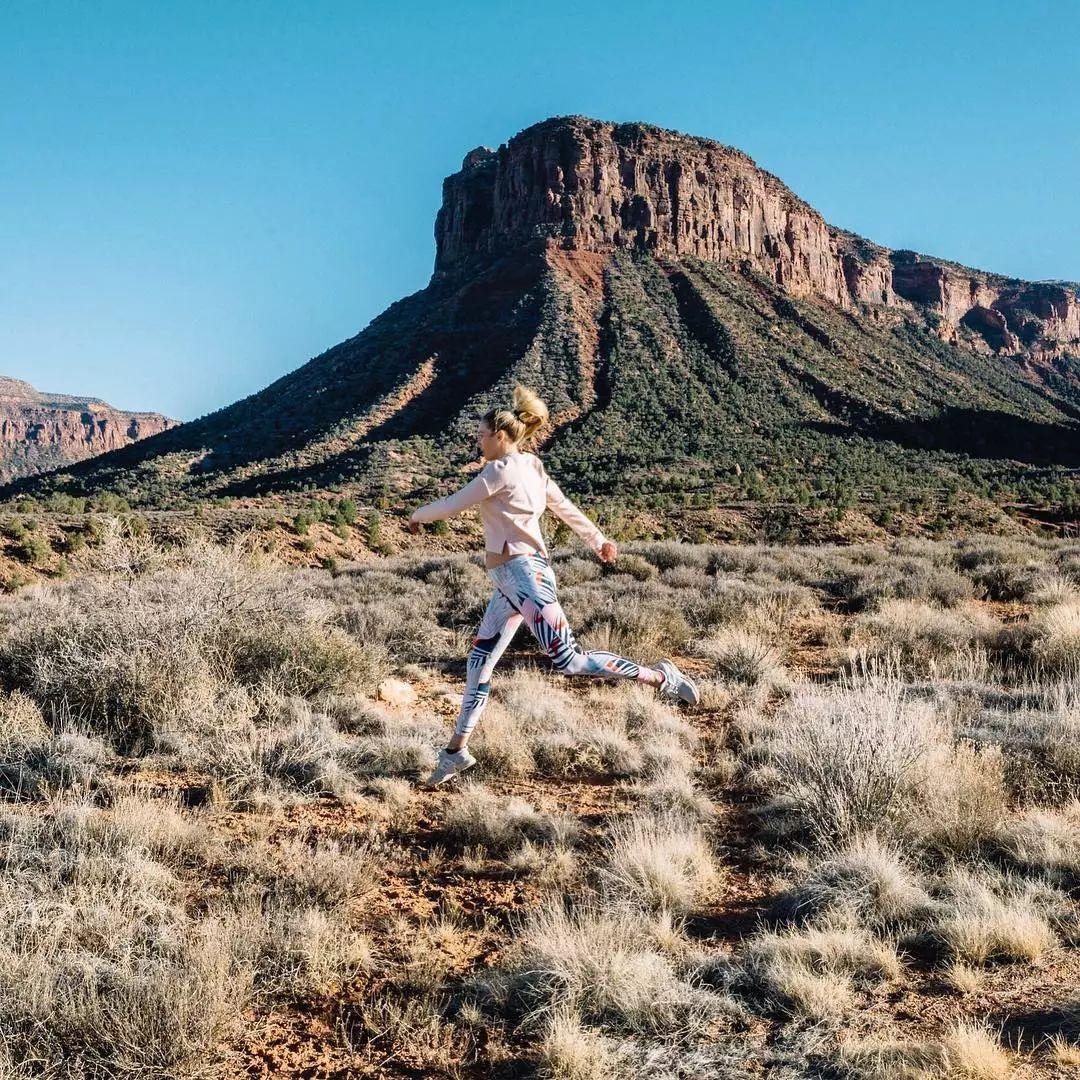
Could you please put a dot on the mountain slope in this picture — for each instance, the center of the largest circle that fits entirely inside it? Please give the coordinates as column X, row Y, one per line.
column 695, row 327
column 41, row 431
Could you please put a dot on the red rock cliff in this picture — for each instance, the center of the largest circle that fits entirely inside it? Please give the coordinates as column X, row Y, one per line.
column 43, row 431
column 596, row 186
column 602, row 186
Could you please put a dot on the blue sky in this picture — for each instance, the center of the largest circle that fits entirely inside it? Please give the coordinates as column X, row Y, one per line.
column 198, row 197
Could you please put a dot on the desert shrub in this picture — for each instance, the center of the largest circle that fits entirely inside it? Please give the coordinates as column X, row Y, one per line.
column 637, row 624
column 1067, row 562
column 539, row 702
column 558, row 867
column 36, row 768
column 1039, row 749
column 746, row 560
column 357, row 715
column 686, row 577
column 634, row 565
column 811, row 972
column 658, row 864
column 34, row 549
column 463, row 589
column 388, row 612
column 576, row 571
column 295, row 660
column 965, row 799
column 844, row 762
column 478, row 816
column 727, row 601
column 103, row 970
column 407, row 1025
column 305, row 756
column 670, row 556
column 922, row 639
column 606, row 967
column 148, row 652
column 1000, row 568
column 778, row 606
column 645, row 716
column 744, row 658
column 900, row 579
column 868, row 881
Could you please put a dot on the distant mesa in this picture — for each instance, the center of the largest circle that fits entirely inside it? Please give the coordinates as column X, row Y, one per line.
column 40, row 431
column 699, row 331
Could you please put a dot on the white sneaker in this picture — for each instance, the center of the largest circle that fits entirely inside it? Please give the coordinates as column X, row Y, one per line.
column 449, row 765
column 677, row 685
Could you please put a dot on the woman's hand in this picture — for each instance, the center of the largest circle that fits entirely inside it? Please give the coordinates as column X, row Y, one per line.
column 608, row 551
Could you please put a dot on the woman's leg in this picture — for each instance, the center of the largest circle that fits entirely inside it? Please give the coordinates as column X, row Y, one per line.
column 496, row 631
column 530, row 586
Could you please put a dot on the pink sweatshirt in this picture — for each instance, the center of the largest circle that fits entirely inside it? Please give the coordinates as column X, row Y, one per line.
column 512, row 493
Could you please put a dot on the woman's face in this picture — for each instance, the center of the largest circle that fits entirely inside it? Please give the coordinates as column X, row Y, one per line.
column 492, row 446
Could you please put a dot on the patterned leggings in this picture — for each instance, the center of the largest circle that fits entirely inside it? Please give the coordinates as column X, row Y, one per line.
column 525, row 592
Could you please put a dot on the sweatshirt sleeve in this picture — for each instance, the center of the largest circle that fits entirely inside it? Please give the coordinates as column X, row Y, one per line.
column 564, row 509
column 484, row 484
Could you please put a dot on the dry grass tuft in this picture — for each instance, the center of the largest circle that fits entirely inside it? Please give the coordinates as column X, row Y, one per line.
column 659, row 864
column 810, row 972
column 104, row 970
column 604, row 967
column 571, row 1051
column 1043, row 838
column 674, row 791
column 979, row 925
column 1056, row 630
column 478, row 816
column 744, row 658
column 963, row 978
column 1064, row 1053
column 868, row 881
column 967, row 1051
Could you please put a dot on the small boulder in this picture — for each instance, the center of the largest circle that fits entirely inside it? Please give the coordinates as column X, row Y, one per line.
column 397, row 693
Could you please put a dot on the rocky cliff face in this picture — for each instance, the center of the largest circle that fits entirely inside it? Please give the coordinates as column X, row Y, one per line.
column 600, row 187
column 604, row 186
column 44, row 431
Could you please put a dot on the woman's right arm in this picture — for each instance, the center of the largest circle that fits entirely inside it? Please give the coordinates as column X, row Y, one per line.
column 480, row 487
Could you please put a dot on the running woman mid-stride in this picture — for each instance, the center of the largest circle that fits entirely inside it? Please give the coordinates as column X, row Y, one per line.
column 512, row 490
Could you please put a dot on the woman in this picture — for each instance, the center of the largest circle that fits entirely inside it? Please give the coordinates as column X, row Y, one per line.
column 512, row 491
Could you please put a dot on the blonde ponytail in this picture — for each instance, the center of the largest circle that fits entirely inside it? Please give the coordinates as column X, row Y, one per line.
column 527, row 413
